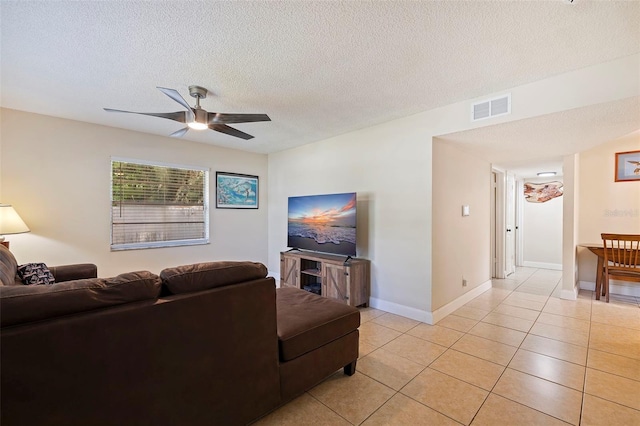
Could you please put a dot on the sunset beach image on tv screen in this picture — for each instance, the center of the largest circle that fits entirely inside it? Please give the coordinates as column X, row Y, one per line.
column 325, row 223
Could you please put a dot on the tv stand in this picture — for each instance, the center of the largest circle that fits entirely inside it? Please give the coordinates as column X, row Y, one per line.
column 347, row 281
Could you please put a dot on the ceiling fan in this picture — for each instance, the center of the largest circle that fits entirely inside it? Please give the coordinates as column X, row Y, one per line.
column 197, row 118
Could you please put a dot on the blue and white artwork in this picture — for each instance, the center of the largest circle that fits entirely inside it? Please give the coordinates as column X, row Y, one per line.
column 236, row 191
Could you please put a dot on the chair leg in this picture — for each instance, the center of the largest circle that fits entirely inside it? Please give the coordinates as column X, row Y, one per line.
column 606, row 287
column 599, row 278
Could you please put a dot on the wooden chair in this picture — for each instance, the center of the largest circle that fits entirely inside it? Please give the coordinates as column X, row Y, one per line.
column 621, row 258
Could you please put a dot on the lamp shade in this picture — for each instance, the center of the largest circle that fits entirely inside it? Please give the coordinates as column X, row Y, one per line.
column 10, row 221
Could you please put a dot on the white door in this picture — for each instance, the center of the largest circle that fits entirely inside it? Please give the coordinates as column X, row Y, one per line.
column 498, row 224
column 510, row 224
column 494, row 237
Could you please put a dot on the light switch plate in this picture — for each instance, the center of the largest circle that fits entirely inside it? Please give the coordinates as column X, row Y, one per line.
column 465, row 210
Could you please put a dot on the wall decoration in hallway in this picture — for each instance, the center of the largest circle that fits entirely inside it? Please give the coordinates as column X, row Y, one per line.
column 627, row 166
column 542, row 192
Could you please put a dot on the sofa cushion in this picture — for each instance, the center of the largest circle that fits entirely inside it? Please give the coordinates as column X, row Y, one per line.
column 77, row 271
column 35, row 273
column 8, row 267
column 307, row 321
column 203, row 276
column 20, row 304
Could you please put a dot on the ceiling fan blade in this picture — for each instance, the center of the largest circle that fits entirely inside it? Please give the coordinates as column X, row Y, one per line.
column 179, row 133
column 219, row 117
column 173, row 94
column 223, row 128
column 175, row 116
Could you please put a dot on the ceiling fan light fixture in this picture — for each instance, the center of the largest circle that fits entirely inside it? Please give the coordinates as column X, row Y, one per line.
column 197, row 126
column 200, row 119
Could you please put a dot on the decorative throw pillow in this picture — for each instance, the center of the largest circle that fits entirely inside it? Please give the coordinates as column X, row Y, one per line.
column 35, row 273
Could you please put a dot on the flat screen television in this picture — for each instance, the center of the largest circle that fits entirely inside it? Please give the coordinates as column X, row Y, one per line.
column 324, row 223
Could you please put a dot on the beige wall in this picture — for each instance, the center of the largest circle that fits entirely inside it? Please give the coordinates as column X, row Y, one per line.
column 56, row 173
column 461, row 244
column 605, row 205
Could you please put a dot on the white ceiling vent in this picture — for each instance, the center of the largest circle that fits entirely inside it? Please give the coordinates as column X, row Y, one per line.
column 494, row 107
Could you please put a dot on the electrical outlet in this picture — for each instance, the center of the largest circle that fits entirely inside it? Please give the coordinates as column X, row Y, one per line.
column 464, row 282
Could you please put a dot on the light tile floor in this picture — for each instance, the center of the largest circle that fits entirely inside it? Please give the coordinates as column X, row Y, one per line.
column 515, row 355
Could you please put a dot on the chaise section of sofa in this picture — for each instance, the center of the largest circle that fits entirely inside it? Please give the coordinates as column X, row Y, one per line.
column 317, row 336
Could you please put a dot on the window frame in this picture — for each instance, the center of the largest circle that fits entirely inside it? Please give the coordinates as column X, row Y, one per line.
column 167, row 243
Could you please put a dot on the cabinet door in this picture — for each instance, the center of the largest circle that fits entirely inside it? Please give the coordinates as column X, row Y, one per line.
column 289, row 271
column 335, row 282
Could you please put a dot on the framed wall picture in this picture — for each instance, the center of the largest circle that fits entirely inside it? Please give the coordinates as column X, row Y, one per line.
column 236, row 191
column 542, row 192
column 627, row 166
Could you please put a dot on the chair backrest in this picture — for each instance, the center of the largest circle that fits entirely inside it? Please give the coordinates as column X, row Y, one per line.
column 622, row 251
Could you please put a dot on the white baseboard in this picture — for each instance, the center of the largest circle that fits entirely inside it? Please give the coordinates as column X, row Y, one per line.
column 587, row 285
column 542, row 265
column 614, row 287
column 442, row 312
column 426, row 316
column 405, row 311
column 569, row 294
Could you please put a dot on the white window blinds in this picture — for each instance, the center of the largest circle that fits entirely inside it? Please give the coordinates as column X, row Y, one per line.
column 155, row 205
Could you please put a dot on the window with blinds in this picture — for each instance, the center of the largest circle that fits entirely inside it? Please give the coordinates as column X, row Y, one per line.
column 157, row 205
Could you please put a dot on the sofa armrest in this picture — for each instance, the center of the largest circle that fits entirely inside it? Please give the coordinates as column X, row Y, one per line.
column 78, row 271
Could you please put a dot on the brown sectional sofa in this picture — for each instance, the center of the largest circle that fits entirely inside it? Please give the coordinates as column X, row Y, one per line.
column 212, row 343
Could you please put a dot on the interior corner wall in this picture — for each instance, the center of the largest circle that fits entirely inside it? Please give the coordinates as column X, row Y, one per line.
column 461, row 243
column 605, row 205
column 542, row 230
column 56, row 173
column 390, row 172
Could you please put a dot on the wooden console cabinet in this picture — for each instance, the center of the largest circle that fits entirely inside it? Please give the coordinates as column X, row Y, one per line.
column 327, row 275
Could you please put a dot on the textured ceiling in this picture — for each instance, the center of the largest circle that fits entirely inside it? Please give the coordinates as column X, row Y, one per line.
column 318, row 68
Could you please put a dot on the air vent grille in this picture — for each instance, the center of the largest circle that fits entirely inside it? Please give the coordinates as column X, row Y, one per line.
column 482, row 110
column 494, row 107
